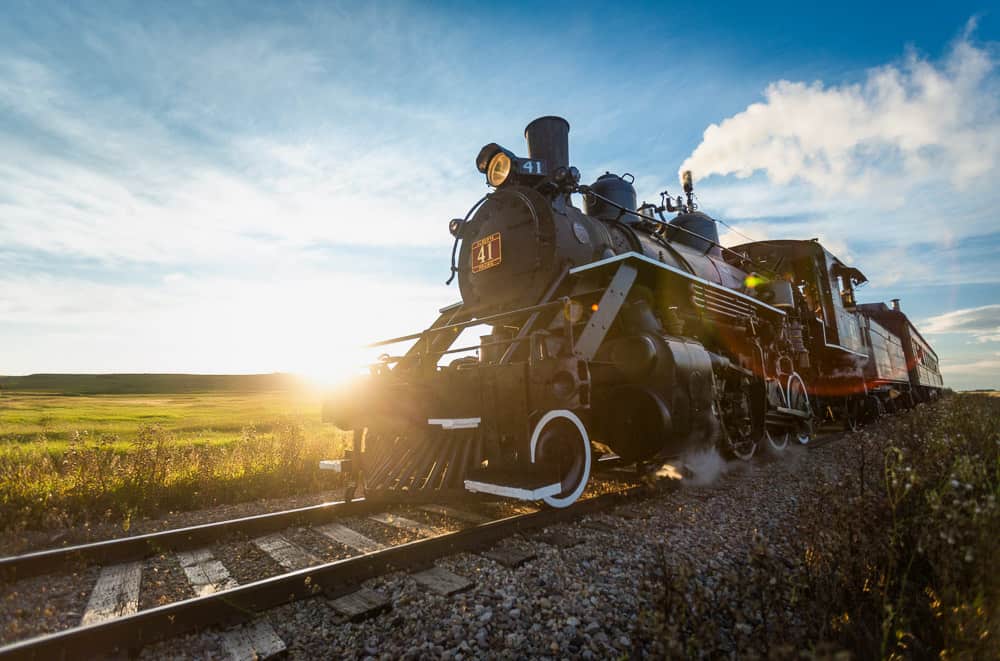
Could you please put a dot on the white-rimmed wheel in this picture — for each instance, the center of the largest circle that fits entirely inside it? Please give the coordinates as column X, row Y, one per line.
column 776, row 436
column 798, row 400
column 776, row 440
column 561, row 439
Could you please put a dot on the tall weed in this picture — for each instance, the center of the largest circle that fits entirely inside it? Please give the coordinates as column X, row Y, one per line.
column 894, row 560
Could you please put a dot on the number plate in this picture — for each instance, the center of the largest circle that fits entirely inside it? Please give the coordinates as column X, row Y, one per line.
column 486, row 253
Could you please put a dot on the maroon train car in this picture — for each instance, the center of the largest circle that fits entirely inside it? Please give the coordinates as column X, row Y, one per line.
column 923, row 373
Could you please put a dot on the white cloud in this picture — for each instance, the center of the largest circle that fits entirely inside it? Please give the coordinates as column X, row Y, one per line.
column 114, row 178
column 879, row 171
column 981, row 367
column 903, row 125
column 983, row 323
column 207, row 213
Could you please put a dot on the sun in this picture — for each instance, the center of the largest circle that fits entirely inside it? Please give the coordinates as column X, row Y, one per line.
column 336, row 367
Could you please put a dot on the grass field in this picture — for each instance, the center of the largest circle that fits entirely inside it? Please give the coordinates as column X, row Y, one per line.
column 212, row 417
column 68, row 455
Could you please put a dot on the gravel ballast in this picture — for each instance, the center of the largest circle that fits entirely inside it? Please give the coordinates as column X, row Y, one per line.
column 42, row 604
column 595, row 599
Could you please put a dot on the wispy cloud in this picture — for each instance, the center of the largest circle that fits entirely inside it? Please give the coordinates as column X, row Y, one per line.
column 989, row 366
column 125, row 186
column 982, row 323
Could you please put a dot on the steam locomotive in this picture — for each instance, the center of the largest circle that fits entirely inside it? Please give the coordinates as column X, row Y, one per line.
column 613, row 331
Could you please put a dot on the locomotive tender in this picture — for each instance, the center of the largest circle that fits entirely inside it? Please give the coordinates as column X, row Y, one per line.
column 613, row 331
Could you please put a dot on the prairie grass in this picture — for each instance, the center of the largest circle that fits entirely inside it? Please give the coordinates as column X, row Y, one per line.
column 70, row 459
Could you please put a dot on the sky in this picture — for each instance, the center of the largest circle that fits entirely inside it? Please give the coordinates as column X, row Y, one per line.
column 253, row 187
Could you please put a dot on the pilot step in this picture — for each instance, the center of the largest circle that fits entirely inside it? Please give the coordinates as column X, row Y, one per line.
column 524, row 482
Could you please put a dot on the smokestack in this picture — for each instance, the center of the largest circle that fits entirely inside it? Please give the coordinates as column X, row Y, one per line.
column 895, row 304
column 548, row 140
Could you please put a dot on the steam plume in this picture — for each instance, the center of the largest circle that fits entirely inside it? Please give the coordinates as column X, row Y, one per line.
column 903, row 124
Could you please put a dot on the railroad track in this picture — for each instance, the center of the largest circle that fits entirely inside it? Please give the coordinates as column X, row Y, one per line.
column 112, row 622
column 141, row 546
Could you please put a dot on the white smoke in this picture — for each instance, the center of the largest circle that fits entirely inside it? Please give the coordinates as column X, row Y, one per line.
column 704, row 466
column 904, row 124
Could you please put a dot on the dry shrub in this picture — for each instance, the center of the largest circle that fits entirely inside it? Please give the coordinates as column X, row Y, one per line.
column 913, row 578
column 894, row 560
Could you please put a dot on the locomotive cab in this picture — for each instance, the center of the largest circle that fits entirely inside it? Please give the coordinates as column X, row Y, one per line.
column 816, row 274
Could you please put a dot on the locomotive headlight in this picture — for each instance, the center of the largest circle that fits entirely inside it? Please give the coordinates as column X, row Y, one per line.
column 498, row 169
column 496, row 163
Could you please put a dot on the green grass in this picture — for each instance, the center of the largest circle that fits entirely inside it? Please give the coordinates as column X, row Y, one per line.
column 214, row 417
column 67, row 457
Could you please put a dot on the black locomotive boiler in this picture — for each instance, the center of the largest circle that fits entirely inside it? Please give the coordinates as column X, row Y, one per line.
column 611, row 330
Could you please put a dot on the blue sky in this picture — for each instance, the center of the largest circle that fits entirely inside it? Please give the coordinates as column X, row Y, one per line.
column 249, row 187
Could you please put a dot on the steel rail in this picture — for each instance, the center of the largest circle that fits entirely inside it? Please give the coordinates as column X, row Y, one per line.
column 137, row 547
column 130, row 633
